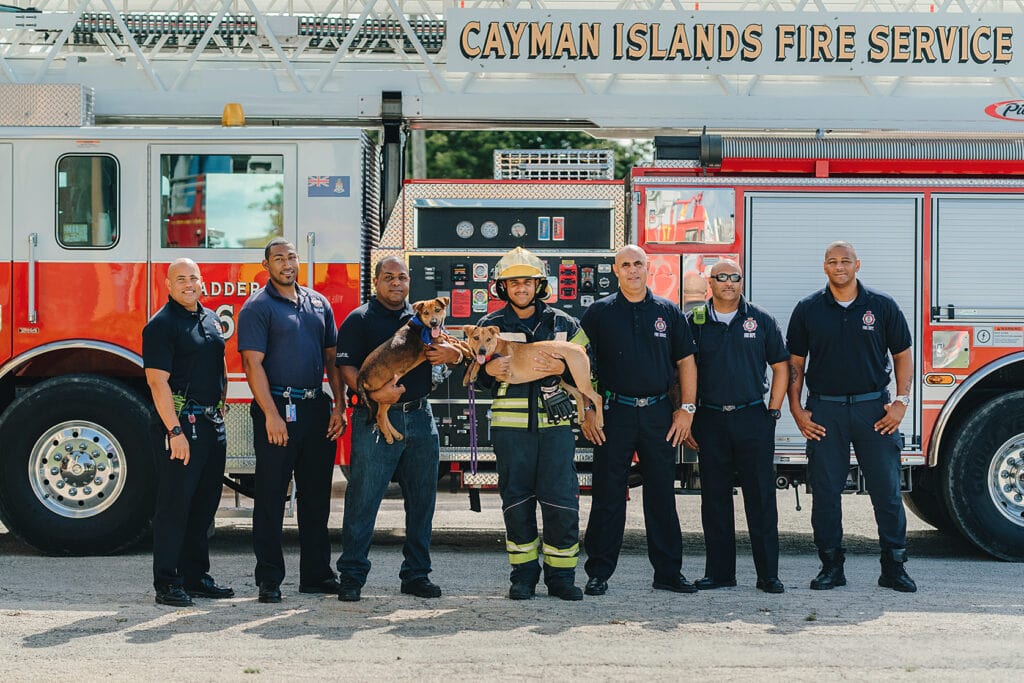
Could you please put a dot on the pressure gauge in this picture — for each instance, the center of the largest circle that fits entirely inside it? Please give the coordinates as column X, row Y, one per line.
column 518, row 229
column 489, row 229
column 464, row 229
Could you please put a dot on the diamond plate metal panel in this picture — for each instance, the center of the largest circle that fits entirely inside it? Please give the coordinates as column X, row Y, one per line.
column 238, row 424
column 490, row 479
column 49, row 104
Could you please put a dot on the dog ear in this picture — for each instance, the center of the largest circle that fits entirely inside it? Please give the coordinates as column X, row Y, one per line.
column 494, row 329
column 418, row 306
column 444, row 301
column 468, row 330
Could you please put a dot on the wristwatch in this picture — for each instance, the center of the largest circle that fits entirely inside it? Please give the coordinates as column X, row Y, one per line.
column 905, row 400
column 688, row 407
column 775, row 413
column 174, row 431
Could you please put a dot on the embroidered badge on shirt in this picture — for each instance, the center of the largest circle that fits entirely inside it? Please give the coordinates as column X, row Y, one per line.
column 750, row 328
column 659, row 327
column 869, row 321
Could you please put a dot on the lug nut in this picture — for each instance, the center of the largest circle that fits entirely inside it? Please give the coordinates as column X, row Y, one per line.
column 1008, row 488
column 1004, row 474
column 60, row 484
column 1018, row 498
column 87, row 490
column 83, row 447
column 95, row 454
column 98, row 480
column 68, row 447
column 56, row 457
column 54, row 470
column 101, row 467
column 72, row 492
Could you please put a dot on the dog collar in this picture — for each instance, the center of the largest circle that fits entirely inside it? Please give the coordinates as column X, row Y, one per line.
column 423, row 329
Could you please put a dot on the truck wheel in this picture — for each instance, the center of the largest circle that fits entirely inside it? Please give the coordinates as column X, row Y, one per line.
column 76, row 469
column 984, row 477
column 926, row 500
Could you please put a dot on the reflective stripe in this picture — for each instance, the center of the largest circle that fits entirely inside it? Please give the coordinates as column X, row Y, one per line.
column 510, row 403
column 521, row 421
column 580, row 338
column 571, row 551
column 524, row 548
column 522, row 553
column 561, row 562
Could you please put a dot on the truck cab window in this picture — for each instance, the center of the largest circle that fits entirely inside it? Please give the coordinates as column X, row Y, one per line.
column 87, row 201
column 221, row 201
column 690, row 216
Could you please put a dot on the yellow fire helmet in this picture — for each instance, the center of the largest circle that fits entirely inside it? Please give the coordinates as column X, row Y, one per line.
column 519, row 263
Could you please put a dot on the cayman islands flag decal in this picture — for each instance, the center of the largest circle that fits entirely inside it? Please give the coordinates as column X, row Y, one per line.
column 328, row 186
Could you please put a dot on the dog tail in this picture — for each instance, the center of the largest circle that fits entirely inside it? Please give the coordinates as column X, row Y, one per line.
column 371, row 405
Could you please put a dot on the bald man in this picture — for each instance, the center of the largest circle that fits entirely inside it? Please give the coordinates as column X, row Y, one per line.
column 183, row 354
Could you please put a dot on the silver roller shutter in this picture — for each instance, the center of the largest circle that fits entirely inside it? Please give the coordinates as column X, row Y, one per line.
column 786, row 239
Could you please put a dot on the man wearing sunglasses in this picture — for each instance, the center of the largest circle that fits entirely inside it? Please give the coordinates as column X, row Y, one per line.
column 734, row 429
column 849, row 332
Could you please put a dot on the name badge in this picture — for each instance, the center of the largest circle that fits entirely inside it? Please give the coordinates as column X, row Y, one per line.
column 290, row 414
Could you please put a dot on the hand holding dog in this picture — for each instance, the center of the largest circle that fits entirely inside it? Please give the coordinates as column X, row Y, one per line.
column 443, row 354
column 500, row 368
column 548, row 363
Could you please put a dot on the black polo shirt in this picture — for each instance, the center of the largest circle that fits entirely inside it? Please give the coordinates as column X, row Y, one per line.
column 291, row 336
column 636, row 346
column 848, row 348
column 188, row 345
column 732, row 360
column 368, row 327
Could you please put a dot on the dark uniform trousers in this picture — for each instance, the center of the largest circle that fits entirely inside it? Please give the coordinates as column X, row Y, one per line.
column 186, row 502
column 829, row 465
column 310, row 455
column 737, row 444
column 642, row 430
column 539, row 467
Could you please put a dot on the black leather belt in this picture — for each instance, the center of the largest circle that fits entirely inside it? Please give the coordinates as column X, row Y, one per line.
column 851, row 398
column 633, row 401
column 410, row 406
column 296, row 393
column 728, row 408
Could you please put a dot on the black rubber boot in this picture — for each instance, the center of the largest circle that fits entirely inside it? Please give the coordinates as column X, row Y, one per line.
column 831, row 574
column 894, row 576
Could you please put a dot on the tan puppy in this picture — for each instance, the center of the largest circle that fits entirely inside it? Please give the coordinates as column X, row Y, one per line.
column 484, row 343
column 398, row 355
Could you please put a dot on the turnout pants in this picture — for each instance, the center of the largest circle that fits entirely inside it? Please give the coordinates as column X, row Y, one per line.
column 186, row 502
column 309, row 454
column 539, row 467
column 413, row 462
column 643, row 431
column 737, row 445
column 829, row 465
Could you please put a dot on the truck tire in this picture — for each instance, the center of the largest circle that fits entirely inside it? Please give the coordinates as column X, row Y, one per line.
column 927, row 502
column 76, row 466
column 984, row 477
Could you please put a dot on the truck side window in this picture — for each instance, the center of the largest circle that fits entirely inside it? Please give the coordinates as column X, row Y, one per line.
column 690, row 216
column 221, row 201
column 87, row 201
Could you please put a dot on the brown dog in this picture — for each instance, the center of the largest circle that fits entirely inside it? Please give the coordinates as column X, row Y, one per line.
column 398, row 355
column 484, row 343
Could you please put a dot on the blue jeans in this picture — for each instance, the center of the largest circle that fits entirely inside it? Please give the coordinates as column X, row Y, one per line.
column 413, row 462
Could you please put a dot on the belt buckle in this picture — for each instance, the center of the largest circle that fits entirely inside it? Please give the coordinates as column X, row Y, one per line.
column 642, row 402
column 728, row 408
column 309, row 393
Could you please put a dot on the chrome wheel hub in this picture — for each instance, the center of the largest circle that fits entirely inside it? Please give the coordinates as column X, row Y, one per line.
column 77, row 469
column 1006, row 479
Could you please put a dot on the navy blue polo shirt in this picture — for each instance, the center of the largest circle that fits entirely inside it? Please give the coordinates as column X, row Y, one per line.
column 368, row 327
column 188, row 345
column 732, row 360
column 291, row 336
column 635, row 346
column 848, row 347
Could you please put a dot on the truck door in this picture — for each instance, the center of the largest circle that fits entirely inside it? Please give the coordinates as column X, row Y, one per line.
column 6, row 190
column 786, row 239
column 219, row 205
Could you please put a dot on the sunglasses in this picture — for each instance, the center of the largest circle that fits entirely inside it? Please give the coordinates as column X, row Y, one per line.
column 727, row 277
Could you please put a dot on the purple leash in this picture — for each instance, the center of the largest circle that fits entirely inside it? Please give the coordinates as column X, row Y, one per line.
column 472, row 427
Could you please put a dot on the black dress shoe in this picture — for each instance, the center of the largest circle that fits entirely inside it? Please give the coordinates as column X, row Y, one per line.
column 565, row 591
column 349, row 591
column 707, row 583
column 677, row 585
column 521, row 591
column 208, row 588
column 174, row 596
column 329, row 585
column 770, row 585
column 596, row 586
column 270, row 592
column 421, row 588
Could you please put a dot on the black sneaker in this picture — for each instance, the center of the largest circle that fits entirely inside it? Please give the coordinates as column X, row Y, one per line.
column 421, row 588
column 208, row 588
column 173, row 596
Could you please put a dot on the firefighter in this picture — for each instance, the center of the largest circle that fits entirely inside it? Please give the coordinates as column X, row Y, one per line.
column 638, row 342
column 734, row 429
column 849, row 330
column 412, row 461
column 532, row 435
column 286, row 335
column 183, row 354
